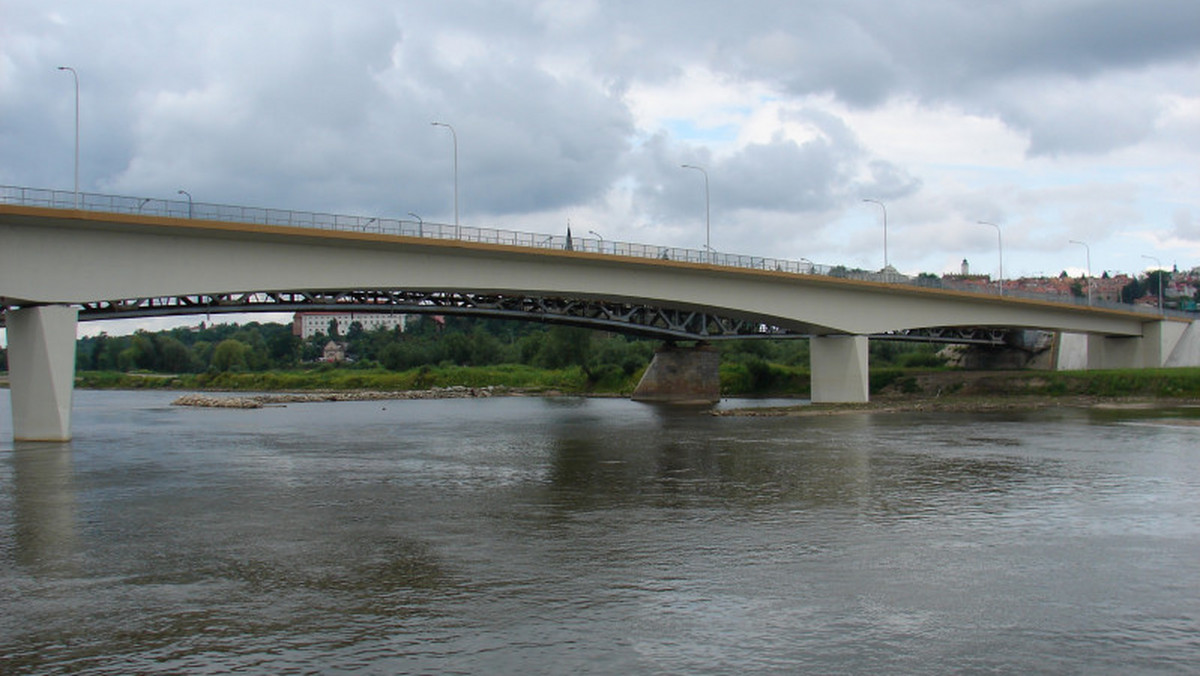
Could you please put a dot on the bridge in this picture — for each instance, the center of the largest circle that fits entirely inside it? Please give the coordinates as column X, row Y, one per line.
column 117, row 256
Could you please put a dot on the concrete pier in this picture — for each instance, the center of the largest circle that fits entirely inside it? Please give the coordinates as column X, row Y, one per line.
column 839, row 369
column 41, row 371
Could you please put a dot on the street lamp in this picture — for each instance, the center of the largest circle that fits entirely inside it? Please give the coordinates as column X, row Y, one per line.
column 75, row 76
column 420, row 224
column 189, row 196
column 599, row 237
column 1089, row 267
column 885, row 253
column 454, row 136
column 1000, row 246
column 707, row 222
column 1160, row 276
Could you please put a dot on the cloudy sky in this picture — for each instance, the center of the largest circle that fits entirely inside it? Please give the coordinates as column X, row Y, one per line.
column 1057, row 120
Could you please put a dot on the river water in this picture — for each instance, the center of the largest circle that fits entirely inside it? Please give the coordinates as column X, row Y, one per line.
column 553, row 536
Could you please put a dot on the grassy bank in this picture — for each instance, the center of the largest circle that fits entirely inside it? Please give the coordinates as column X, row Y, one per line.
column 774, row 381
column 1178, row 383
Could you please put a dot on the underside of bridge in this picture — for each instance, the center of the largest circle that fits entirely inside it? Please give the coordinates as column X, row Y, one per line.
column 41, row 339
column 670, row 323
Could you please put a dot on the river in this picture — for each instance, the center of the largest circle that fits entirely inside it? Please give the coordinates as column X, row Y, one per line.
column 598, row 536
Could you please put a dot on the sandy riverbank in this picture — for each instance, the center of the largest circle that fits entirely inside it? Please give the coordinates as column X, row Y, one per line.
column 208, row 400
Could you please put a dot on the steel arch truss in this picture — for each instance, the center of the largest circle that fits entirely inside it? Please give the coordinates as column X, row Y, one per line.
column 630, row 318
column 640, row 319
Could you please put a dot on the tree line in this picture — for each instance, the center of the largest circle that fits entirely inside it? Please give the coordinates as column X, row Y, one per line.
column 608, row 360
column 458, row 341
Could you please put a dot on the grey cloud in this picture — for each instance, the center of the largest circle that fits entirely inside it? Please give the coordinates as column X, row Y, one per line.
column 971, row 55
column 1186, row 224
column 822, row 174
column 332, row 109
column 1086, row 125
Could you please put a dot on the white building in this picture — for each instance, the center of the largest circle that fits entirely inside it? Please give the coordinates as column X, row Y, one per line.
column 308, row 324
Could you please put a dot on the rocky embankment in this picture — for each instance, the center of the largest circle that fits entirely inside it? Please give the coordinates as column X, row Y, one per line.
column 261, row 400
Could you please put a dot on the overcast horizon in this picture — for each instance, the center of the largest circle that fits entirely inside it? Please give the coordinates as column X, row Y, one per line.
column 1055, row 120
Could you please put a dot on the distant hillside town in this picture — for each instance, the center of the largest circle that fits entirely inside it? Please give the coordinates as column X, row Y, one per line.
column 1180, row 290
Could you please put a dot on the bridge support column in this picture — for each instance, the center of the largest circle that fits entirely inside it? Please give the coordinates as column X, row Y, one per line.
column 1114, row 352
column 1187, row 349
column 41, row 371
column 1150, row 350
column 682, row 375
column 839, row 369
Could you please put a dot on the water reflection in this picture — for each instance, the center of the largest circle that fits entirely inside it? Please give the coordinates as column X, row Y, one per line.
column 47, row 539
column 568, row 535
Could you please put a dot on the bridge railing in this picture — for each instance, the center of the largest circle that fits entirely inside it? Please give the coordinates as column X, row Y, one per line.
column 187, row 208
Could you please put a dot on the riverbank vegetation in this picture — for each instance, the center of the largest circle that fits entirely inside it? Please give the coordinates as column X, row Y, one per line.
column 453, row 351
column 539, row 358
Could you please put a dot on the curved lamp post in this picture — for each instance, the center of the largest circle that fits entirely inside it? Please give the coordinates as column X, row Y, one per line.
column 707, row 222
column 189, row 196
column 454, row 136
column 885, row 251
column 1000, row 246
column 599, row 237
column 420, row 224
column 76, row 78
column 1089, row 267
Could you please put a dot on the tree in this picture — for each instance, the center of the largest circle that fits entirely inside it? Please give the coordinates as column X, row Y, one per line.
column 283, row 348
column 230, row 355
column 145, row 356
column 1156, row 280
column 127, row 359
column 256, row 352
column 202, row 354
column 174, row 356
column 565, row 346
column 1132, row 291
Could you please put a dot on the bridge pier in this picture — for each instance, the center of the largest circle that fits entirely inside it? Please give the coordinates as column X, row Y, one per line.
column 839, row 369
column 41, row 371
column 681, row 375
column 1153, row 349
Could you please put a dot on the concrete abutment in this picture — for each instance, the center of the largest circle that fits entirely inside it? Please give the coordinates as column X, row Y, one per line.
column 1163, row 344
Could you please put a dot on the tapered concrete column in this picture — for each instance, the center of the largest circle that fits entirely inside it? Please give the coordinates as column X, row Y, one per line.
column 1070, row 352
column 1187, row 349
column 41, row 371
column 1114, row 352
column 682, row 375
column 839, row 369
column 1159, row 341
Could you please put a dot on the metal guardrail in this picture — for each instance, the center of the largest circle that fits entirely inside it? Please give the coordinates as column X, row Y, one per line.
column 175, row 208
